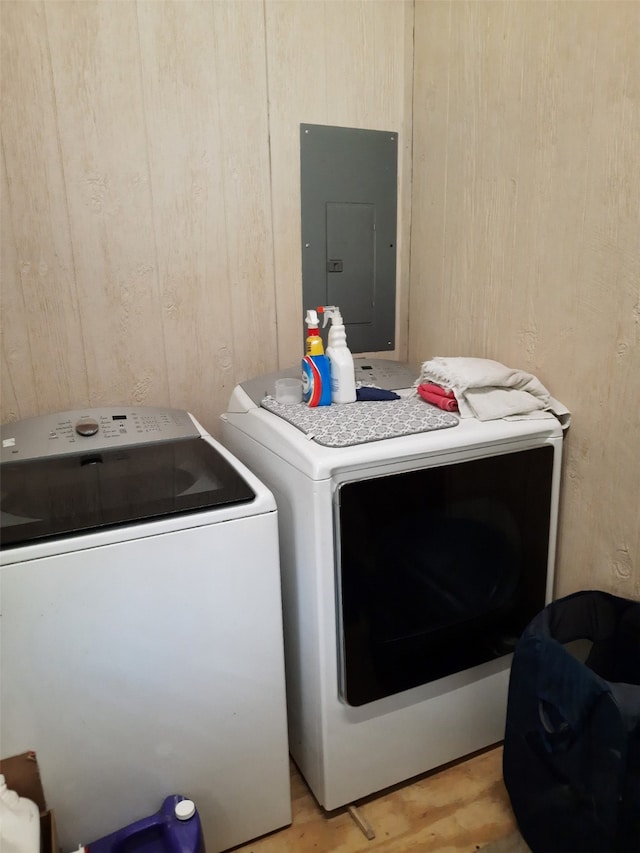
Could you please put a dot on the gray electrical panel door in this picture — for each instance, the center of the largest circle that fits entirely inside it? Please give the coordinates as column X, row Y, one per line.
column 348, row 181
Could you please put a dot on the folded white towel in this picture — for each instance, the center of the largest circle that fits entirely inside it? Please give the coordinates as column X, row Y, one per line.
column 488, row 390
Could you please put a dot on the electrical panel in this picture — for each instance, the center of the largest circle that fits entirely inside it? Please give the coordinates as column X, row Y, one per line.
column 348, row 181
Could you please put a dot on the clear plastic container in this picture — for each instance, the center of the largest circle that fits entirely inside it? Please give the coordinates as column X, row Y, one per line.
column 288, row 391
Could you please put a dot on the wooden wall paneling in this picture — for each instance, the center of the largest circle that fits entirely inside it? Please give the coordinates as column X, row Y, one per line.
column 295, row 34
column 544, row 96
column 369, row 63
column 558, row 57
column 351, row 59
column 451, row 227
column 558, row 54
column 338, row 63
column 481, row 177
column 549, row 98
column 240, row 59
column 571, row 319
column 18, row 386
column 44, row 370
column 391, row 70
column 499, row 185
column 429, row 203
column 603, row 464
column 184, row 137
column 97, row 75
column 495, row 192
column 405, row 177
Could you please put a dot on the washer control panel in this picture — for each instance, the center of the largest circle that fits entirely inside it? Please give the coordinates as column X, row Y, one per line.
column 92, row 430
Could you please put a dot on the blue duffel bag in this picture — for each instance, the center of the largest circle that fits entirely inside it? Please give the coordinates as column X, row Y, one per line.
column 571, row 759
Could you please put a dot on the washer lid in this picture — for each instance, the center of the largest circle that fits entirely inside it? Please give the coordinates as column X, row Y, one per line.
column 66, row 495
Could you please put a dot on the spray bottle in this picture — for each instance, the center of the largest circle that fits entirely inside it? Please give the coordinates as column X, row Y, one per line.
column 343, row 382
column 313, row 344
column 316, row 368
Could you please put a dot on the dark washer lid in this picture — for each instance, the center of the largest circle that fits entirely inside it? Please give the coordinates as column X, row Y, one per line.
column 70, row 494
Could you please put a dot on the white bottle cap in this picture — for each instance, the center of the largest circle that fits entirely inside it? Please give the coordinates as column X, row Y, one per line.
column 185, row 809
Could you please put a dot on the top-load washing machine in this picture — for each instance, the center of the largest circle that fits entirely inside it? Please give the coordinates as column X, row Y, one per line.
column 415, row 547
column 141, row 632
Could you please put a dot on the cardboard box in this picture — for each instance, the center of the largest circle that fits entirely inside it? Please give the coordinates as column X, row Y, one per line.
column 22, row 775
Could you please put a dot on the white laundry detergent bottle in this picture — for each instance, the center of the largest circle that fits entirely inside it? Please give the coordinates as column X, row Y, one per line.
column 19, row 822
column 343, row 381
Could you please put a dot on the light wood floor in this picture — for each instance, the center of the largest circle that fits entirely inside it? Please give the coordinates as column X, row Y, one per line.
column 458, row 809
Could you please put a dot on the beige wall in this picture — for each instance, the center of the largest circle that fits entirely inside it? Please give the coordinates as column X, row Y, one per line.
column 150, row 188
column 525, row 236
column 150, row 207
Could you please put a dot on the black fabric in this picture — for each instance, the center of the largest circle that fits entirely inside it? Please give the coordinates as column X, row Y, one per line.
column 571, row 760
column 368, row 392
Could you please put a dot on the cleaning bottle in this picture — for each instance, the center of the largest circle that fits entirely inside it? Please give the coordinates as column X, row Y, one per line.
column 316, row 368
column 313, row 345
column 343, row 381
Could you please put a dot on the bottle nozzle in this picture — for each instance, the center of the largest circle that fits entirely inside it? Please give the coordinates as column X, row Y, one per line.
column 331, row 312
column 311, row 319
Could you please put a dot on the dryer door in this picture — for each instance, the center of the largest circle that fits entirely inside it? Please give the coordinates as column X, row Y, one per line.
column 440, row 569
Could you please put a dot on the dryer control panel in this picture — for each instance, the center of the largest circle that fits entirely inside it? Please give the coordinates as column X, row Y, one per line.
column 380, row 372
column 92, row 430
column 384, row 373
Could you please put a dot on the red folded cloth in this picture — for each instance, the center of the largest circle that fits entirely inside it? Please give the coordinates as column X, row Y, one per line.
column 437, row 389
column 441, row 400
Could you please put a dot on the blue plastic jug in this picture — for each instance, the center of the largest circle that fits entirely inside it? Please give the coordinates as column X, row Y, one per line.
column 175, row 828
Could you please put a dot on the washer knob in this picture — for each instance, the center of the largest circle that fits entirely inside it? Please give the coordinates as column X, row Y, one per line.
column 87, row 426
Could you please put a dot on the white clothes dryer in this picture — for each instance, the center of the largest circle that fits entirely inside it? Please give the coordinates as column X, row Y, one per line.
column 142, row 650
column 410, row 566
